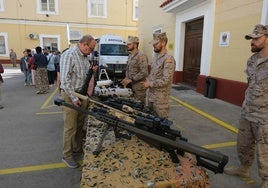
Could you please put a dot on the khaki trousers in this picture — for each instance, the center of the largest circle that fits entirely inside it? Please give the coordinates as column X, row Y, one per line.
column 250, row 136
column 73, row 128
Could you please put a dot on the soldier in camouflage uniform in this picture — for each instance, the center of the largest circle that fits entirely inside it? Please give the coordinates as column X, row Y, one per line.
column 161, row 76
column 137, row 69
column 253, row 125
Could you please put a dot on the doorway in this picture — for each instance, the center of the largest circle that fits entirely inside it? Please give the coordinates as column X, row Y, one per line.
column 192, row 51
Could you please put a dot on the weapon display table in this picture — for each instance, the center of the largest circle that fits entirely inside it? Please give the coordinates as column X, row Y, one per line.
column 133, row 163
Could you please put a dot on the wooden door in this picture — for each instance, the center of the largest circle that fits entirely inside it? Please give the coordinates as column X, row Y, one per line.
column 192, row 51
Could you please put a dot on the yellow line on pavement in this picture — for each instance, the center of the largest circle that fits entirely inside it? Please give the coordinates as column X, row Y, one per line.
column 219, row 145
column 208, row 116
column 47, row 113
column 49, row 99
column 51, row 106
column 62, row 165
column 32, row 168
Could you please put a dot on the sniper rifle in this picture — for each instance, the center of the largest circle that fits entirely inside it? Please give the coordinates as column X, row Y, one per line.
column 212, row 160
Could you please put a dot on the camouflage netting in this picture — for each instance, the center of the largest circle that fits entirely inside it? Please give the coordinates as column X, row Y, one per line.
column 133, row 163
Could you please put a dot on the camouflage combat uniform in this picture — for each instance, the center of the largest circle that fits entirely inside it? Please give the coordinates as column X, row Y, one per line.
column 137, row 71
column 253, row 125
column 160, row 78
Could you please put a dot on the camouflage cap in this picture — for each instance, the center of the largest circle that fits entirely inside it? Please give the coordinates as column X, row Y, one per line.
column 157, row 37
column 132, row 39
column 258, row 31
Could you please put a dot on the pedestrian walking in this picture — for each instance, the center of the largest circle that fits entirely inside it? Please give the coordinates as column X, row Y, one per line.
column 253, row 124
column 13, row 57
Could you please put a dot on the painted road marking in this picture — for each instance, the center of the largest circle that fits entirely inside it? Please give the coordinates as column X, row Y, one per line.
column 62, row 165
column 48, row 113
column 49, row 99
column 208, row 116
column 47, row 105
column 219, row 145
column 34, row 168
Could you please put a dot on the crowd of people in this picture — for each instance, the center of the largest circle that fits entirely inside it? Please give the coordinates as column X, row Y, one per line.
column 40, row 67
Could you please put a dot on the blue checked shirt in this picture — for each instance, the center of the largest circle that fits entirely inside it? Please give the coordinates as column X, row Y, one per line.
column 73, row 70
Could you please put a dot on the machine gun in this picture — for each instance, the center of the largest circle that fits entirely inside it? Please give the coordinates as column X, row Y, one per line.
column 148, row 121
column 118, row 103
column 212, row 160
column 113, row 91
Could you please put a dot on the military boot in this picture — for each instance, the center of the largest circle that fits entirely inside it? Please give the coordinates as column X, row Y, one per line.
column 264, row 184
column 241, row 171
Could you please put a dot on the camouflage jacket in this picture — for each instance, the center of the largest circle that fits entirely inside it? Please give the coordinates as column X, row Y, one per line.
column 255, row 105
column 161, row 76
column 137, row 67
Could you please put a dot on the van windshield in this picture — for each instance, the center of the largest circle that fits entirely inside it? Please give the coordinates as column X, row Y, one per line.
column 114, row 50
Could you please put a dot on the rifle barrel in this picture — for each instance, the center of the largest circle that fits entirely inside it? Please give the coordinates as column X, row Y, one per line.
column 201, row 153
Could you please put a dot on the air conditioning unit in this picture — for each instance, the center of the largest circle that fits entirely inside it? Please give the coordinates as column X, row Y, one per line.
column 33, row 36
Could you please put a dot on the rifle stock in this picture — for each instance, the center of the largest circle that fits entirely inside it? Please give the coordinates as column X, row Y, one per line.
column 212, row 160
column 85, row 85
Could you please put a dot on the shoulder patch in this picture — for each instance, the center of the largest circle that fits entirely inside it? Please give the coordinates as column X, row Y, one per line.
column 169, row 60
column 141, row 57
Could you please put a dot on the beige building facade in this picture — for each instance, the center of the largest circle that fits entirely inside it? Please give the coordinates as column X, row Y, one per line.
column 54, row 24
column 207, row 40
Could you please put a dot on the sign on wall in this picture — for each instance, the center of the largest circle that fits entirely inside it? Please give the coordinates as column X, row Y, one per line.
column 224, row 39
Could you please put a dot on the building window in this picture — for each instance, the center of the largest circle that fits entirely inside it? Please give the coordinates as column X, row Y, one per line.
column 3, row 45
column 50, row 42
column 97, row 8
column 135, row 9
column 47, row 6
column 264, row 16
column 1, row 5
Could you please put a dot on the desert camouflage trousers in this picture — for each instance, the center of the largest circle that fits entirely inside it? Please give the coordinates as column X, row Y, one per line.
column 139, row 92
column 250, row 136
column 140, row 95
column 161, row 109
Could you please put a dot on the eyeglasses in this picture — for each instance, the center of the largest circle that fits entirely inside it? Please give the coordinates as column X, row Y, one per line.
column 90, row 47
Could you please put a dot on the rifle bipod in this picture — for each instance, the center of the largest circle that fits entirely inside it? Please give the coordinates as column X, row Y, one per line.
column 212, row 160
column 117, row 134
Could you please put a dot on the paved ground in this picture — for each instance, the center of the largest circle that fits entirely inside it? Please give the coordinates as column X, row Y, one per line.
column 31, row 135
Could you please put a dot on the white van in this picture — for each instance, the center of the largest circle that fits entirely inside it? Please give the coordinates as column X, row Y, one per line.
column 112, row 54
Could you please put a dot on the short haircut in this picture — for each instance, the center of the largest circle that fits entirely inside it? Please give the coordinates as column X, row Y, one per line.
column 86, row 39
column 38, row 49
